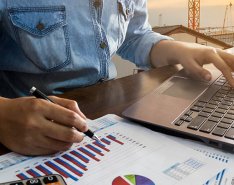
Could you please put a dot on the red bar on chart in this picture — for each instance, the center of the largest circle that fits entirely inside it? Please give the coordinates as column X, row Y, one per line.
column 114, row 139
column 94, row 149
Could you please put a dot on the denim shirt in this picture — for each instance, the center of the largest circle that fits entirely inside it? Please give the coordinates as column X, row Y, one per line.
column 57, row 45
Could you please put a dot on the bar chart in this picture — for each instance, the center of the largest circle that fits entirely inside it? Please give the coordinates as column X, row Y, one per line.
column 125, row 156
column 73, row 164
column 218, row 179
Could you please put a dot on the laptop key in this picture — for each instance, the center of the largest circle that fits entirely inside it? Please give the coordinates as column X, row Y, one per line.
column 226, row 120
column 179, row 122
column 228, row 103
column 188, row 113
column 197, row 122
column 231, row 112
column 209, row 93
column 184, row 117
column 204, row 114
column 188, row 119
column 208, row 110
column 222, row 111
column 230, row 133
column 211, row 106
column 200, row 104
column 208, row 126
column 214, row 119
column 196, row 108
column 217, row 98
column 224, row 125
column 219, row 131
column 229, row 116
column 218, row 115
column 225, row 107
column 214, row 102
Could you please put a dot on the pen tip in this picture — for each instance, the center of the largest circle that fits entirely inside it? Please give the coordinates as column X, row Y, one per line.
column 32, row 90
column 97, row 139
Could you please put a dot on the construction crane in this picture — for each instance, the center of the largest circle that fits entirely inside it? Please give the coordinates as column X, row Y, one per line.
column 226, row 16
column 194, row 14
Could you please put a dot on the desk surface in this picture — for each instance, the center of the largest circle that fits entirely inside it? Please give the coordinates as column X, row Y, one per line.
column 112, row 97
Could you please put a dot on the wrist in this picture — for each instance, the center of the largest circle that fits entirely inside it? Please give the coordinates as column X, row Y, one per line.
column 165, row 53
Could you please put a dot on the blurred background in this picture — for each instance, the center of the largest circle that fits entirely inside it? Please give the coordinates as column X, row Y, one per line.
column 206, row 22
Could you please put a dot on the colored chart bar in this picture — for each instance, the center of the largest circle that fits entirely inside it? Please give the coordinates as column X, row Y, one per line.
column 94, row 149
column 218, row 179
column 69, row 167
column 43, row 170
column 88, row 153
column 114, row 139
column 74, row 161
column 100, row 145
column 105, row 141
column 33, row 173
column 21, row 176
column 60, row 170
column 80, row 156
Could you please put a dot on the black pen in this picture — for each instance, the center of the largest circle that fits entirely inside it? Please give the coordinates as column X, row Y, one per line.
column 38, row 94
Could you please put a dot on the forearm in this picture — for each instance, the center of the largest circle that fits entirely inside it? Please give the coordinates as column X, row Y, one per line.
column 165, row 53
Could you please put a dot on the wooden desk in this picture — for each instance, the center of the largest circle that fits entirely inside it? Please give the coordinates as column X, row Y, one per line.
column 112, row 97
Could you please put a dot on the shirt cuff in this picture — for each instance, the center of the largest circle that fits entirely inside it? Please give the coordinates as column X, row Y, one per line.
column 142, row 56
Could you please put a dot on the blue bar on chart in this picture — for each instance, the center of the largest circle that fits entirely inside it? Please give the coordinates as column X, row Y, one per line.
column 33, row 173
column 94, row 149
column 88, row 153
column 22, row 176
column 100, row 145
column 43, row 170
column 60, row 170
column 75, row 162
column 80, row 156
column 105, row 141
column 114, row 139
column 69, row 167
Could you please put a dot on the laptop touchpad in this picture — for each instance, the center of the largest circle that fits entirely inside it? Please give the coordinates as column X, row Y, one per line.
column 183, row 88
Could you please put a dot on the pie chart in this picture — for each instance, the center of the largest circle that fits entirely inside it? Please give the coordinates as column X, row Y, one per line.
column 132, row 180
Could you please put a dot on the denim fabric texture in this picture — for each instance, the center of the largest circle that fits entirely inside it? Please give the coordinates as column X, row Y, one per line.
column 57, row 45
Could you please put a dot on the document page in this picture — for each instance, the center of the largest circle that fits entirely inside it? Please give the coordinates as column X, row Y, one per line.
column 129, row 154
column 224, row 176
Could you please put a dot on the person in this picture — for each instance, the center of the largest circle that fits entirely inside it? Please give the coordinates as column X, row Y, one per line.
column 58, row 45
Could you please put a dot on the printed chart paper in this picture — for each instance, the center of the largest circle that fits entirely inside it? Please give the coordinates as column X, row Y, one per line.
column 224, row 176
column 128, row 155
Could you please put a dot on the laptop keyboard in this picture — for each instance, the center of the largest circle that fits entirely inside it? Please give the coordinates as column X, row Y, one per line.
column 213, row 112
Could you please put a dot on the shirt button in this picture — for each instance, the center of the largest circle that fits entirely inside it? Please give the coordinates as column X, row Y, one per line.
column 40, row 26
column 103, row 45
column 127, row 11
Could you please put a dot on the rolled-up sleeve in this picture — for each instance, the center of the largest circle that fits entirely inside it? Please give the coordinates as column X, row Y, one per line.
column 140, row 38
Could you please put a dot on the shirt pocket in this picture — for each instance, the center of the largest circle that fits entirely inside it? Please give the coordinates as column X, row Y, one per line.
column 126, row 12
column 42, row 34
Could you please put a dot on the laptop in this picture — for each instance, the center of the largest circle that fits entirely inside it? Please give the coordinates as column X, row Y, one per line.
column 204, row 110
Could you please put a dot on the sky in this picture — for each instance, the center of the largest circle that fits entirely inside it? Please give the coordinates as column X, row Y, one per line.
column 174, row 12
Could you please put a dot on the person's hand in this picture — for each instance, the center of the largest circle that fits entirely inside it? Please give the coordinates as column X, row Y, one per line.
column 192, row 57
column 33, row 126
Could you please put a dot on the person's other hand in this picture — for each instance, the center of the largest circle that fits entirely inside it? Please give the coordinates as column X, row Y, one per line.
column 192, row 57
column 32, row 126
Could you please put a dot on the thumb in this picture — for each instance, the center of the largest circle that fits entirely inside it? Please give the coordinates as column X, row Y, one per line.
column 205, row 74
